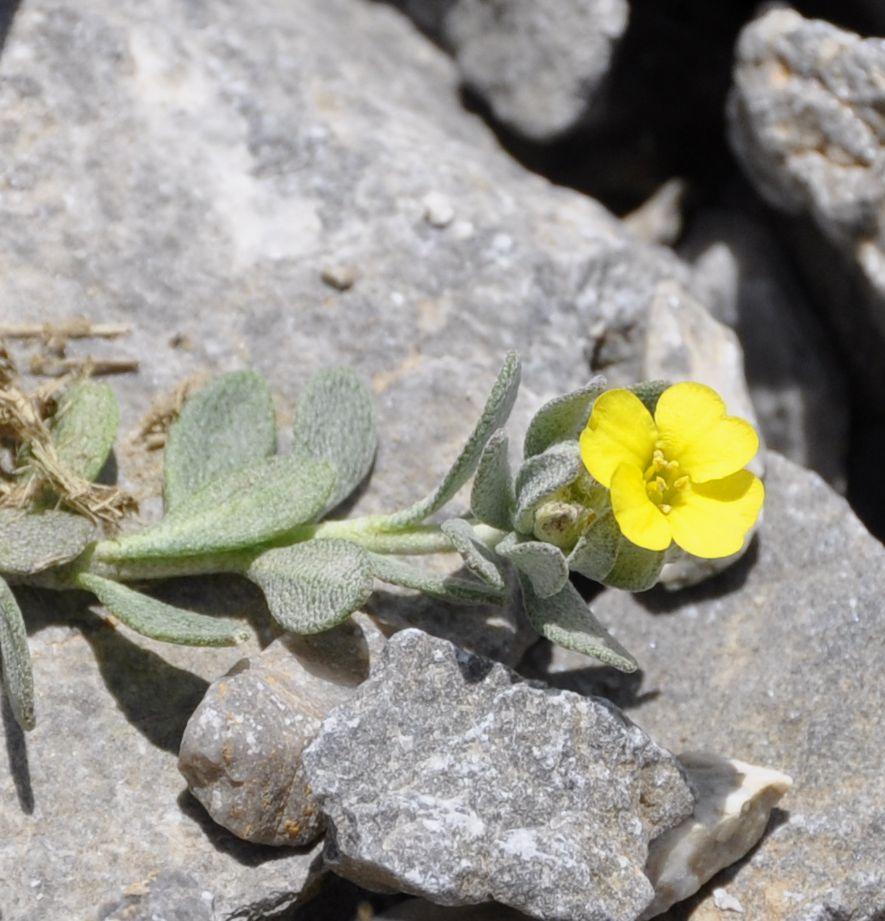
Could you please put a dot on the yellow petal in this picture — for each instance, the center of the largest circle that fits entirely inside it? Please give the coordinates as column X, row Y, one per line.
column 713, row 518
column 639, row 519
column 696, row 432
column 620, row 431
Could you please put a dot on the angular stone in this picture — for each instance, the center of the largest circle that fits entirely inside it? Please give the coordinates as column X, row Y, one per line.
column 733, row 803
column 786, row 649
column 806, row 122
column 241, row 749
column 96, row 819
column 448, row 777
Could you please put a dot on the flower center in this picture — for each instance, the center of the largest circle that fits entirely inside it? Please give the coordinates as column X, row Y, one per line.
column 665, row 482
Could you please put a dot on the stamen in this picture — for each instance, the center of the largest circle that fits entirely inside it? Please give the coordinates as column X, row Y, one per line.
column 666, row 509
column 680, row 482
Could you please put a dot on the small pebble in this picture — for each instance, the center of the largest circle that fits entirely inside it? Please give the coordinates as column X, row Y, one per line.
column 726, row 902
column 438, row 210
column 339, row 277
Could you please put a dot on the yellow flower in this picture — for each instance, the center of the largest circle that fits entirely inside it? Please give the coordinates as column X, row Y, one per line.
column 678, row 475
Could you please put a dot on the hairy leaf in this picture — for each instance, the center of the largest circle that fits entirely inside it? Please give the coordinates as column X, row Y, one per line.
column 565, row 619
column 32, row 542
column 491, row 497
column 84, row 428
column 543, row 564
column 15, row 659
column 635, row 569
column 477, row 557
column 595, row 553
column 335, row 422
column 494, row 415
column 312, row 586
column 241, row 510
column 223, row 428
column 161, row 621
column 650, row 392
column 449, row 588
column 562, row 419
column 541, row 476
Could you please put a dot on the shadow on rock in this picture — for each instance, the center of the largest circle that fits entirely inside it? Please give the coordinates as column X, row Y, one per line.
column 669, row 601
column 17, row 753
column 156, row 697
column 593, row 680
column 244, row 852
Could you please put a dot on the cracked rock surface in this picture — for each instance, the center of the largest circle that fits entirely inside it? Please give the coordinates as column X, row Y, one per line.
column 447, row 776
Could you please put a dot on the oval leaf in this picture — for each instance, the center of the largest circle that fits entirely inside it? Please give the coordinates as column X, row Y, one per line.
column 222, row 428
column 84, row 427
column 312, row 586
column 15, row 659
column 491, row 497
column 543, row 564
column 565, row 619
column 494, row 415
column 335, row 422
column 595, row 553
column 239, row 511
column 161, row 621
column 477, row 557
column 32, row 542
column 636, row 569
column 562, row 419
column 540, row 477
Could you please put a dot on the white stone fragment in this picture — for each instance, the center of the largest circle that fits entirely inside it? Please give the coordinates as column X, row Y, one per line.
column 438, row 210
column 734, row 801
column 724, row 901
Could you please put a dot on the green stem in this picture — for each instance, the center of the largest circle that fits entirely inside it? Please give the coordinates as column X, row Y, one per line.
column 416, row 540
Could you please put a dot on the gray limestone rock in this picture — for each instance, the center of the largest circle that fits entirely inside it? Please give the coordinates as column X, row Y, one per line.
column 787, row 650
column 797, row 386
column 806, row 122
column 538, row 69
column 448, row 777
column 241, row 749
column 96, row 819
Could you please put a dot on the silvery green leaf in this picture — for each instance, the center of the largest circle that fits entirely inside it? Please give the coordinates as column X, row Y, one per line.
column 562, row 419
column 595, row 553
column 449, row 588
column 565, row 619
column 494, row 415
column 635, row 568
column 477, row 557
column 15, row 659
column 32, row 542
column 84, row 427
column 543, row 564
column 241, row 510
column 541, row 476
column 650, row 392
column 335, row 422
column 312, row 586
column 222, row 428
column 491, row 497
column 161, row 621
